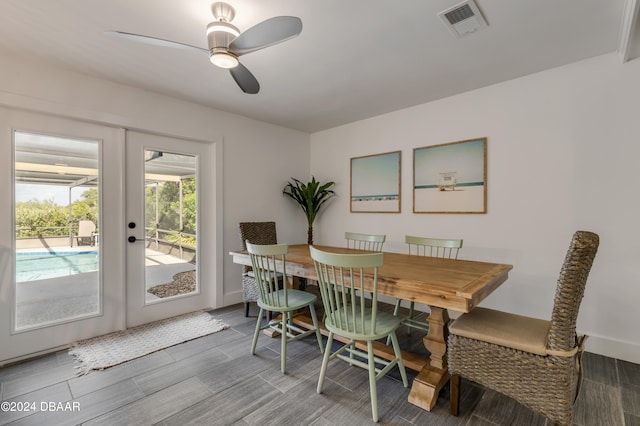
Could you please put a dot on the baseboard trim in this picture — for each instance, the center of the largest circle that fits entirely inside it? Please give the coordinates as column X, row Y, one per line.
column 19, row 359
column 232, row 298
column 626, row 351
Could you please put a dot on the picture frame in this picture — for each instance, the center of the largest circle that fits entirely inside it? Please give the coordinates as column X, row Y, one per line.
column 451, row 177
column 375, row 183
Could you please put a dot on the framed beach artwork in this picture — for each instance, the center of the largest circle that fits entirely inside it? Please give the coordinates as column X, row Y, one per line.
column 451, row 178
column 375, row 183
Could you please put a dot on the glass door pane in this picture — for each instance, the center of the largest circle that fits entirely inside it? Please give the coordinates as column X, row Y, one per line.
column 170, row 225
column 56, row 229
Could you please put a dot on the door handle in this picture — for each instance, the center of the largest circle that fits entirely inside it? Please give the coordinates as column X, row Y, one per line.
column 133, row 239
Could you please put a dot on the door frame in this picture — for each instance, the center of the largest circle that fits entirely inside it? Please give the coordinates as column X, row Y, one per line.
column 213, row 235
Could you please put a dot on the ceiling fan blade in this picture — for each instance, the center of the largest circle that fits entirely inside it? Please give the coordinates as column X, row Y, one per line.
column 265, row 34
column 154, row 41
column 245, row 79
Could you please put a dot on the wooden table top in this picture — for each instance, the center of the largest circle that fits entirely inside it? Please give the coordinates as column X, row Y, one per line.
column 459, row 285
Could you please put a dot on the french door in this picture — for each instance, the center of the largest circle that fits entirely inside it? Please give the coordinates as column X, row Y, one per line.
column 59, row 180
column 123, row 211
column 169, row 246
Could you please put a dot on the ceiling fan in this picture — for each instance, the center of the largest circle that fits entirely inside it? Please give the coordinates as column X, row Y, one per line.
column 226, row 43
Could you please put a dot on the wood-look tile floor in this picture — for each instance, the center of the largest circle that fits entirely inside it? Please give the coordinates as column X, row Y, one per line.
column 214, row 380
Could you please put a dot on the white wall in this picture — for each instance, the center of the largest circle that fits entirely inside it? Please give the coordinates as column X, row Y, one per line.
column 563, row 150
column 258, row 158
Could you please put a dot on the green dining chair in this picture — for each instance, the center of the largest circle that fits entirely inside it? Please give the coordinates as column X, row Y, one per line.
column 368, row 242
column 431, row 247
column 275, row 296
column 349, row 314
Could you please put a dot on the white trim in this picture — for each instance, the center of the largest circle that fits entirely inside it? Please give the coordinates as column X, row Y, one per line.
column 232, row 297
column 26, row 103
column 35, row 105
column 32, row 355
column 627, row 29
column 619, row 349
column 217, row 296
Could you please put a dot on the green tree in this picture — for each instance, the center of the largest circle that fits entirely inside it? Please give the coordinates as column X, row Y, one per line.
column 189, row 205
column 36, row 215
column 168, row 194
column 86, row 208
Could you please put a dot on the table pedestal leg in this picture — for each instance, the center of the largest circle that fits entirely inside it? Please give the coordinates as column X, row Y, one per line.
column 426, row 386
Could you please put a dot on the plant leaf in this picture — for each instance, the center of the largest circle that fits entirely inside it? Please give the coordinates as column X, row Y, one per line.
column 310, row 196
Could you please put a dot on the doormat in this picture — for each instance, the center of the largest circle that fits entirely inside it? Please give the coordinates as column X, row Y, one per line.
column 98, row 353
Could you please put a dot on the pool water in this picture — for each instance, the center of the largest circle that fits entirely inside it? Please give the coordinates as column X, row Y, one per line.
column 43, row 265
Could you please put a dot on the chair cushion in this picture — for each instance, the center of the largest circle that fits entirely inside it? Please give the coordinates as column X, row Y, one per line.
column 504, row 329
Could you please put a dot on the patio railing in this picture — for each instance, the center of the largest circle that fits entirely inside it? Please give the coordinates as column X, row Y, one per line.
column 154, row 237
column 47, row 235
column 60, row 236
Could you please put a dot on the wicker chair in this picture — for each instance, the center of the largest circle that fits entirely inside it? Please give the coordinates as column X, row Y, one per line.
column 536, row 362
column 256, row 233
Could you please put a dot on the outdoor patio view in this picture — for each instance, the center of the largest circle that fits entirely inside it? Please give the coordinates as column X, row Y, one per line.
column 170, row 224
column 57, row 228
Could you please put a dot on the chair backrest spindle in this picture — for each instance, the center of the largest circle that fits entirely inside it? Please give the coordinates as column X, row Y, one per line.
column 433, row 247
column 367, row 242
column 342, row 279
column 266, row 260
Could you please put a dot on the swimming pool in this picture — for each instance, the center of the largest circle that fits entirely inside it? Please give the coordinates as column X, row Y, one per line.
column 32, row 266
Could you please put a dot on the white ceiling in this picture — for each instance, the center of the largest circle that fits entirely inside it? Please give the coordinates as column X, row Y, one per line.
column 354, row 58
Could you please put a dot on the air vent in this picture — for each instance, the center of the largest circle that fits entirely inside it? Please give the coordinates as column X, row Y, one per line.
column 463, row 19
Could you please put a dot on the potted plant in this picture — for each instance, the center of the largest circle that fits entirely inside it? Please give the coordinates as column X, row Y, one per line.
column 311, row 197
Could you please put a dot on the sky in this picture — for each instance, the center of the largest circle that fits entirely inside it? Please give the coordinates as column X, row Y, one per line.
column 466, row 159
column 375, row 174
column 59, row 194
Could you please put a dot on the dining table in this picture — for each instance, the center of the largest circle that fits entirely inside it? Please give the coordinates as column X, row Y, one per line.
column 442, row 284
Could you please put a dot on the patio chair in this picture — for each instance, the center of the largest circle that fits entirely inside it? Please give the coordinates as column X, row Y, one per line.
column 255, row 233
column 275, row 296
column 341, row 278
column 534, row 361
column 86, row 233
column 431, row 247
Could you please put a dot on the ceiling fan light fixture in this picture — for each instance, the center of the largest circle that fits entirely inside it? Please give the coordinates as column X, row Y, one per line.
column 225, row 27
column 220, row 35
column 223, row 59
